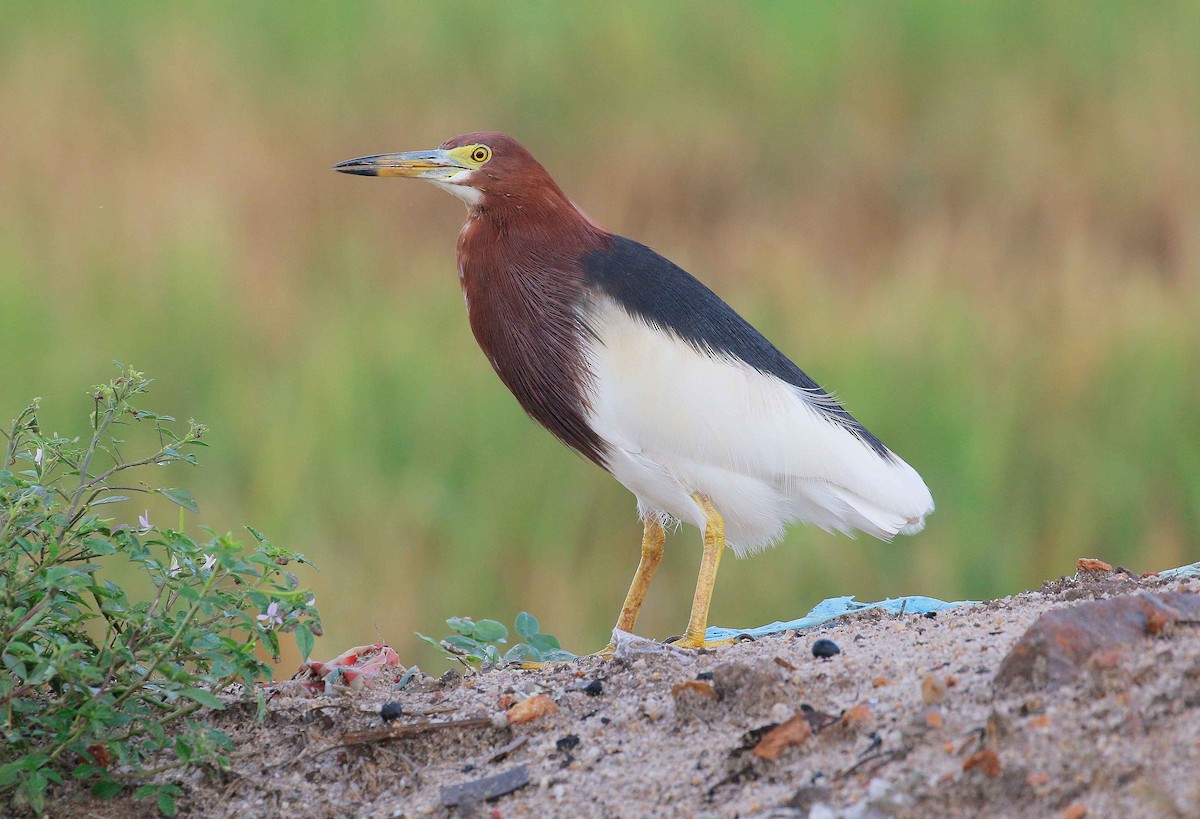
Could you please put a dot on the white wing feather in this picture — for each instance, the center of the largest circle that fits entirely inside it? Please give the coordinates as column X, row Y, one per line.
column 681, row 421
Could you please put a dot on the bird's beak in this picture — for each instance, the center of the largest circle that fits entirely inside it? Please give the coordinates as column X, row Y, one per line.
column 437, row 164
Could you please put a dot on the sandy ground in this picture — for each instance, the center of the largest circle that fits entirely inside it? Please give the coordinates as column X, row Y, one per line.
column 906, row 721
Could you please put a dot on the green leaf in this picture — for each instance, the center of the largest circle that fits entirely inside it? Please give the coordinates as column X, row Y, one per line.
column 107, row 788
column 203, row 697
column 166, row 802
column 527, row 625
column 259, row 536
column 182, row 497
column 464, row 643
column 463, row 625
column 517, row 654
column 429, row 640
column 489, row 631
column 544, row 642
column 304, row 641
column 109, row 499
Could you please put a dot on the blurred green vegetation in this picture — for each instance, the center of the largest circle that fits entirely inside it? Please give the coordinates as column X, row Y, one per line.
column 978, row 222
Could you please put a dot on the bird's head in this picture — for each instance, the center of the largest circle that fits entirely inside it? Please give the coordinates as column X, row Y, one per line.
column 484, row 169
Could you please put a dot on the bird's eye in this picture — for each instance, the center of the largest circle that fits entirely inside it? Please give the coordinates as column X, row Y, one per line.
column 481, row 154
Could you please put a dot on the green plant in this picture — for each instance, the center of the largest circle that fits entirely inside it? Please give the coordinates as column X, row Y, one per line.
column 95, row 680
column 475, row 643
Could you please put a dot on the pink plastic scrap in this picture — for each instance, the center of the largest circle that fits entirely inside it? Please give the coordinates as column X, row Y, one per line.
column 352, row 669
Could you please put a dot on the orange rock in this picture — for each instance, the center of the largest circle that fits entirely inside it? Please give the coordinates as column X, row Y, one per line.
column 933, row 719
column 856, row 718
column 1075, row 810
column 1156, row 621
column 985, row 760
column 933, row 689
column 507, row 701
column 793, row 732
column 1056, row 647
column 949, row 748
column 1040, row 721
column 702, row 687
column 1091, row 564
column 879, row 682
column 539, row 705
column 1037, row 780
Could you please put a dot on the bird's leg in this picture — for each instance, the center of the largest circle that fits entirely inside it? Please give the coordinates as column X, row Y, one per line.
column 714, row 545
column 653, row 537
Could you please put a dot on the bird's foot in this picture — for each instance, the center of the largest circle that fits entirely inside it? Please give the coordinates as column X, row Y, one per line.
column 697, row 642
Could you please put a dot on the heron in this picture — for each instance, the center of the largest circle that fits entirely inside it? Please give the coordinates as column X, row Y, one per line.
column 634, row 363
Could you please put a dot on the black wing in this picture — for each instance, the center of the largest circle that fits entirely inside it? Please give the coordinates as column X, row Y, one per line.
column 665, row 295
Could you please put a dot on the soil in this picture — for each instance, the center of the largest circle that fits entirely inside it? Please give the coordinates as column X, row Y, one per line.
column 907, row 720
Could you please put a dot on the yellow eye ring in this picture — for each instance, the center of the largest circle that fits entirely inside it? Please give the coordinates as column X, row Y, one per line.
column 481, row 154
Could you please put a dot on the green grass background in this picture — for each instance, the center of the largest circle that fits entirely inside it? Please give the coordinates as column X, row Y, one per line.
column 978, row 222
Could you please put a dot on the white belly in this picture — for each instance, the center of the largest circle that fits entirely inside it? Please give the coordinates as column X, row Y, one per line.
column 679, row 422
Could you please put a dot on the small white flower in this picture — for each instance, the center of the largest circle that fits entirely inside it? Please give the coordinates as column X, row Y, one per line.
column 37, row 456
column 209, row 562
column 175, row 569
column 144, row 524
column 270, row 618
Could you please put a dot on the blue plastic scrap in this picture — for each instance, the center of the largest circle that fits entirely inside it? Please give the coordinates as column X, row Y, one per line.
column 1190, row 570
column 835, row 607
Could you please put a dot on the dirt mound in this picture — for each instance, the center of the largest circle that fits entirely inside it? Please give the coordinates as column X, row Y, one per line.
column 905, row 721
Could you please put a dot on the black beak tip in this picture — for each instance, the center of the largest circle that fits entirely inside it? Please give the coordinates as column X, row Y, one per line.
column 356, row 167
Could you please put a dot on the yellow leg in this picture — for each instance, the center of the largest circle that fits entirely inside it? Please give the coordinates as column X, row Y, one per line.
column 714, row 545
column 652, row 551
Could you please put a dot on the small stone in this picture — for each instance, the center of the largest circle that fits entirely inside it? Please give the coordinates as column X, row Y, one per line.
column 702, row 688
column 567, row 743
column 793, row 732
column 985, row 760
column 933, row 689
column 780, row 712
column 933, row 719
column 1040, row 721
column 857, row 718
column 1037, row 780
column 1090, row 565
column 1075, row 810
column 539, row 705
column 594, row 689
column 879, row 682
column 824, row 649
column 390, row 711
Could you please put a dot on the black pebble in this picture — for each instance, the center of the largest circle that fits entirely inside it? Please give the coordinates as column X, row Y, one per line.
column 567, row 743
column 929, row 615
column 390, row 711
column 594, row 689
column 704, row 675
column 825, row 649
